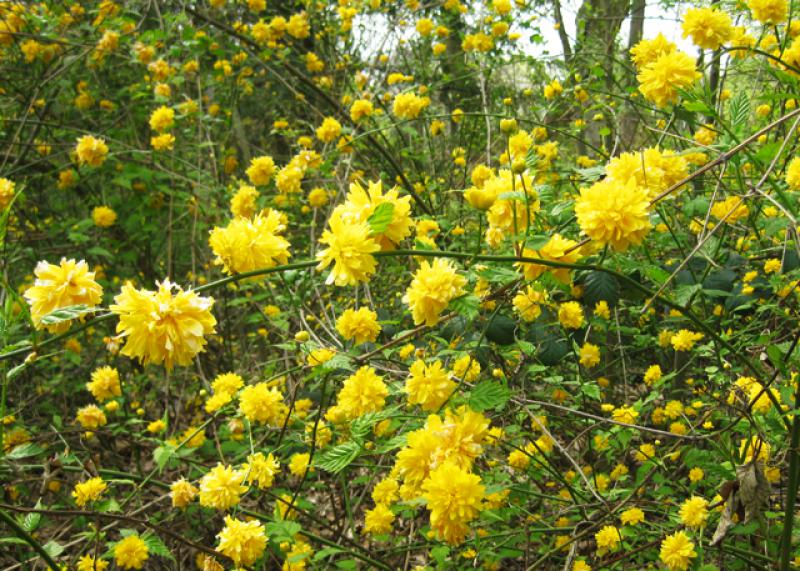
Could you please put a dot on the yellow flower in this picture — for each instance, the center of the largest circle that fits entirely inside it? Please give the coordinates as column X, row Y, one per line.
column 244, row 542
column 165, row 142
column 625, row 415
column 607, row 538
column 589, row 355
column 247, row 244
column 677, row 551
column 653, row 374
column 362, row 392
column 350, row 249
column 694, row 512
column 360, row 108
column 570, row 315
column 63, row 285
column 732, row 209
column 103, row 216
column 557, row 249
column 182, row 493
column 614, row 214
column 648, row 51
column 378, row 520
column 432, row 288
column 793, row 174
column 261, row 469
column 221, row 487
column 769, row 11
column 243, row 202
column 329, row 130
column 708, row 27
column 684, row 340
column 89, row 563
column 481, row 198
column 7, row 192
column 466, row 367
column 318, row 197
column 162, row 119
column 660, row 80
column 361, row 203
column 298, row 464
column 91, row 151
column 88, row 491
column 360, row 325
column 409, row 105
column 653, row 169
column 156, row 426
column 631, row 516
column 453, row 498
column 262, row 404
column 131, row 553
column 385, row 491
column 320, row 356
column 261, row 170
column 162, row 326
column 104, row 384
column 428, row 385
column 696, row 474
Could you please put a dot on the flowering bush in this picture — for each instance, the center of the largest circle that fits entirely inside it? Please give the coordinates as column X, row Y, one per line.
column 370, row 284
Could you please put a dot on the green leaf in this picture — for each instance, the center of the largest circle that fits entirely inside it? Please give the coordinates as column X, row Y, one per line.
column 24, row 451
column 67, row 314
column 157, row 547
column 339, row 457
column 600, row 286
column 162, row 455
column 697, row 106
column 591, row 390
column 53, row 548
column 31, row 521
column 467, row 305
column 283, row 530
column 381, row 217
column 489, row 395
column 685, row 292
column 327, row 552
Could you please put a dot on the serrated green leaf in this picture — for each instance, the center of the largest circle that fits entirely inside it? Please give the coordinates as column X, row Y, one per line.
column 53, row 548
column 338, row 458
column 24, row 451
column 600, row 286
column 283, row 530
column 381, row 217
column 157, row 547
column 162, row 455
column 67, row 314
column 489, row 395
column 467, row 305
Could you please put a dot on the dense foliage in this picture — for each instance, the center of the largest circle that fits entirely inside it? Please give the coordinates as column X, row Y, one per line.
column 375, row 285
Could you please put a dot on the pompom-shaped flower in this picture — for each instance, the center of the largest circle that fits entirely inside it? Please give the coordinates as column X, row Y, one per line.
column 607, row 538
column 261, row 470
column 557, row 249
column 361, row 325
column 528, row 303
column 350, row 249
column 769, row 11
column 162, row 119
column 360, row 108
column 91, row 151
column 361, row 204
column 329, row 130
column 793, row 174
column 589, row 355
column 88, row 491
column 677, row 551
column 247, row 244
column 660, row 80
column 56, row 286
column 261, row 170
column 131, row 553
column 243, row 202
column 89, row 563
column 613, row 213
column 433, row 287
column 570, row 315
column 648, row 51
column 694, row 512
column 684, row 340
column 103, row 216
column 163, row 142
column 708, row 27
column 182, row 493
column 429, row 385
column 104, row 384
column 409, row 105
column 221, row 487
column 91, row 417
column 362, row 392
column 378, row 520
column 243, row 541
column 163, row 326
column 454, row 499
column 6, row 192
column 262, row 404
